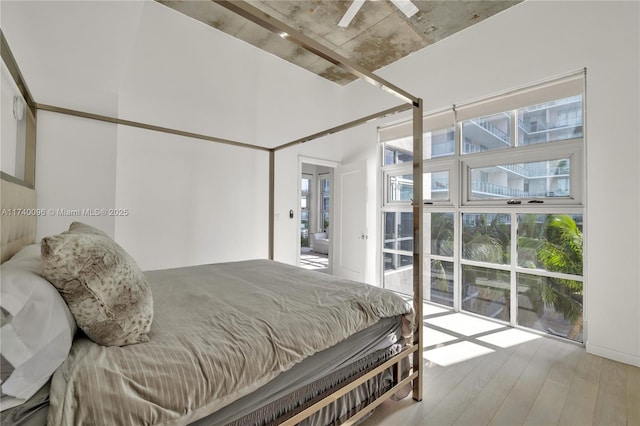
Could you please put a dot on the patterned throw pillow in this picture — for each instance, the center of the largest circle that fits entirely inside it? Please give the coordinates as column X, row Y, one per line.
column 83, row 228
column 104, row 288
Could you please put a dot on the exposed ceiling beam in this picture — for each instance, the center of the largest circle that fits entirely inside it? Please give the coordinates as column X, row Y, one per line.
column 260, row 18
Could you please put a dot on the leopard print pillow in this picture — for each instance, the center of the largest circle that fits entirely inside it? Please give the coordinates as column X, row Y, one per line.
column 105, row 290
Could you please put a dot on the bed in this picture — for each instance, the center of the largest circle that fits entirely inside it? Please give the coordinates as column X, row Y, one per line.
column 249, row 342
column 349, row 347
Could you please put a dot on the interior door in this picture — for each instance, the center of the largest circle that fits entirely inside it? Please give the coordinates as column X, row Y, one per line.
column 350, row 219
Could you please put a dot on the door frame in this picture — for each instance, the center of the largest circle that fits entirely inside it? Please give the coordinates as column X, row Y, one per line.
column 316, row 162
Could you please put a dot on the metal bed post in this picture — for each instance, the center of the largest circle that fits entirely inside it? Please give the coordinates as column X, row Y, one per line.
column 272, row 191
column 418, row 266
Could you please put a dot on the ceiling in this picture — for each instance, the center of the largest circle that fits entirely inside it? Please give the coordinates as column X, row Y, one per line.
column 378, row 35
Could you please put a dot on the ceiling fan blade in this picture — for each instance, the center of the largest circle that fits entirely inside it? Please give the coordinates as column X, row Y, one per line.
column 406, row 7
column 351, row 12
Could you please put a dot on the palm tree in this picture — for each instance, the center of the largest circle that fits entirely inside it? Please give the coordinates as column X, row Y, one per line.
column 487, row 242
column 442, row 234
column 561, row 251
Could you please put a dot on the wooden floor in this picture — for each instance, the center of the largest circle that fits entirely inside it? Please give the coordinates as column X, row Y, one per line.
column 542, row 381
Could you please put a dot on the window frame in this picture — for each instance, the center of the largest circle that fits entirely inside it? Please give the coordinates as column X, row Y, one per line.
column 571, row 149
column 460, row 201
column 321, row 194
column 444, row 164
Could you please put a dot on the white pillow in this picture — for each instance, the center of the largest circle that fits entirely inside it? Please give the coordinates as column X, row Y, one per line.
column 36, row 327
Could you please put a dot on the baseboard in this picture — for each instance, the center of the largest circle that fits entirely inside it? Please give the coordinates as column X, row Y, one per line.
column 614, row 355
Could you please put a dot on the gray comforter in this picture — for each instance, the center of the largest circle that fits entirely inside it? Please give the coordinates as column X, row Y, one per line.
column 219, row 332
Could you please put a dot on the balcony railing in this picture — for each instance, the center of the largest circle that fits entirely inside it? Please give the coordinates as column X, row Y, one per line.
column 440, row 184
column 497, row 190
column 442, row 148
column 470, row 148
column 530, row 171
column 545, row 127
column 516, row 168
column 494, row 130
column 487, row 188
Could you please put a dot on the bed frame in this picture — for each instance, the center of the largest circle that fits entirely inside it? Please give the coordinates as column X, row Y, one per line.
column 18, row 219
column 19, row 230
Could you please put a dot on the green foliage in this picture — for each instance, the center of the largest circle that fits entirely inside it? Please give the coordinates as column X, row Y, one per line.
column 442, row 234
column 561, row 251
column 488, row 241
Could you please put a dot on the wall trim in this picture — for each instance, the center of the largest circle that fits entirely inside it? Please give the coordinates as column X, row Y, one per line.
column 625, row 358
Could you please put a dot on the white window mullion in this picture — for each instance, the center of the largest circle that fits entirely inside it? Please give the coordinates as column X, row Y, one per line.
column 513, row 318
column 513, row 127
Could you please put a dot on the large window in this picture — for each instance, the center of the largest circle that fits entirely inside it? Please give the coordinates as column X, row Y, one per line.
column 502, row 207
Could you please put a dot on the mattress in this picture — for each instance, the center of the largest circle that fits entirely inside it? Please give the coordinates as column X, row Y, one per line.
column 220, row 333
column 313, row 376
column 292, row 389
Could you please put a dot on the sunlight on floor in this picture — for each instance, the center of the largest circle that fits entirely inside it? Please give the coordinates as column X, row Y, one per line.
column 451, row 337
column 466, row 325
column 435, row 337
column 508, row 338
column 428, row 309
column 311, row 260
column 454, row 353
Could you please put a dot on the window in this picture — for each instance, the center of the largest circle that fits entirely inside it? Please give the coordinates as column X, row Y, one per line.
column 535, row 180
column 551, row 121
column 502, row 207
column 534, row 174
column 305, row 209
column 435, row 186
column 549, row 273
column 439, row 257
column 325, row 193
column 487, row 133
column 398, row 249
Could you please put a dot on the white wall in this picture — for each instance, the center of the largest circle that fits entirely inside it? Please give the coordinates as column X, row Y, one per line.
column 206, row 81
column 120, row 59
column 190, row 201
column 535, row 41
column 181, row 201
column 75, row 170
column 72, row 54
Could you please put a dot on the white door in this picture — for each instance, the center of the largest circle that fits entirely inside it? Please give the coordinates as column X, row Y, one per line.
column 350, row 219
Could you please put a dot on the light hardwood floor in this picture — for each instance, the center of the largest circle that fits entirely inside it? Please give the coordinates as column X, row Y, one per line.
column 542, row 381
